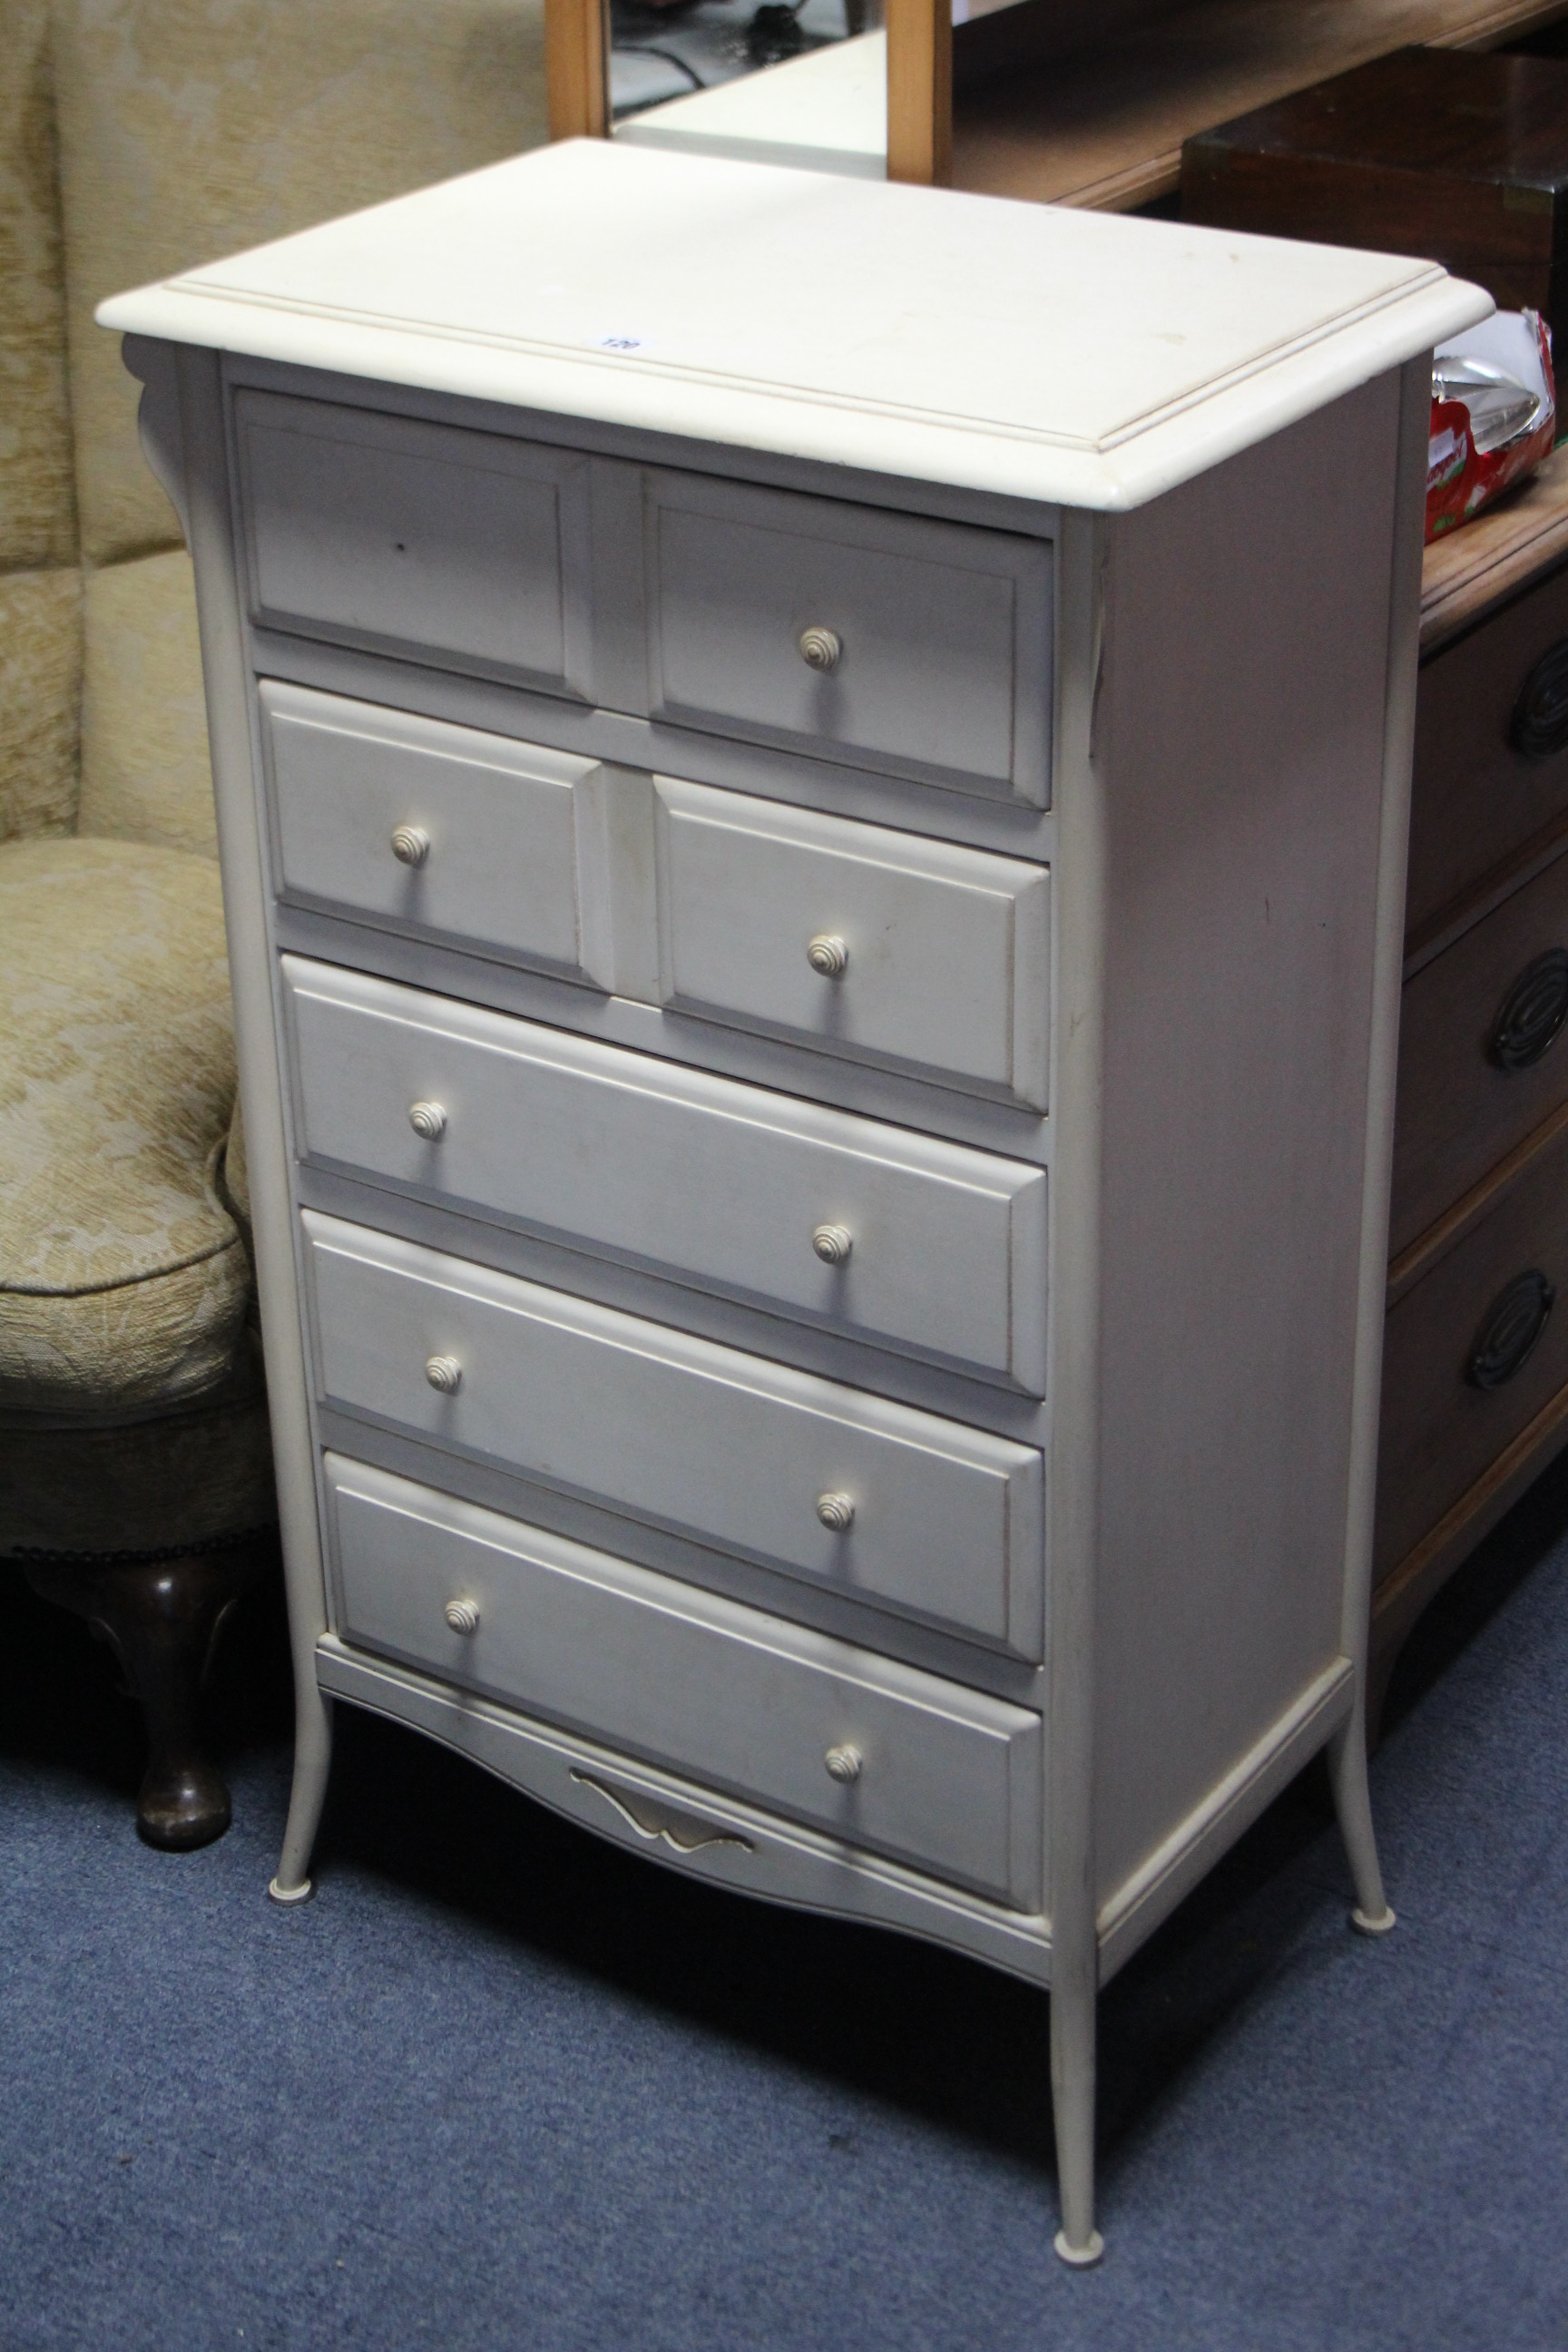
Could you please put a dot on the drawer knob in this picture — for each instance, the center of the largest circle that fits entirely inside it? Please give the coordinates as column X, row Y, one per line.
column 837, row 1511
column 445, row 1372
column 427, row 1120
column 821, row 649
column 832, row 1244
column 1532, row 1013
column 828, row 954
column 1539, row 727
column 463, row 1616
column 1512, row 1324
column 844, row 1764
column 410, row 845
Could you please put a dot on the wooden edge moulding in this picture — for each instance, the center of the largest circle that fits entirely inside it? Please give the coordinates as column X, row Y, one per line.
column 1057, row 102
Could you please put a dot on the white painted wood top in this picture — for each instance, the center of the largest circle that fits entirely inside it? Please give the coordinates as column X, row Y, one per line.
column 1064, row 356
column 825, row 111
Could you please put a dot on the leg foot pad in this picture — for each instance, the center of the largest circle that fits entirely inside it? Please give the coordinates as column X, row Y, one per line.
column 1081, row 2258
column 290, row 1895
column 1364, row 1926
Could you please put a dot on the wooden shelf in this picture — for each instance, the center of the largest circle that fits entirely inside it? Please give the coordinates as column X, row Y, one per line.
column 1465, row 572
column 1104, row 128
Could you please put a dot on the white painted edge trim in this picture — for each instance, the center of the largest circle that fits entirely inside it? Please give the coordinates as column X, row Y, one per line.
column 1154, row 1890
column 1146, row 460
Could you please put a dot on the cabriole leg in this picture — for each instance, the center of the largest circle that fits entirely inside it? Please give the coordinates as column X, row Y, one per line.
column 312, row 1763
column 1073, row 1996
column 1352, row 1803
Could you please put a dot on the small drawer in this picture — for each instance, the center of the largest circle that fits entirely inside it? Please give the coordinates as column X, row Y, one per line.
column 854, row 938
column 1491, row 749
column 878, row 1501
column 1473, row 1352
column 467, row 550
column 1482, row 1058
column 885, row 641
column 889, row 1758
column 435, row 830
column 870, row 1230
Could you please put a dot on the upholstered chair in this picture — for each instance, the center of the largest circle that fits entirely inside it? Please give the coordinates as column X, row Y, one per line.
column 138, row 137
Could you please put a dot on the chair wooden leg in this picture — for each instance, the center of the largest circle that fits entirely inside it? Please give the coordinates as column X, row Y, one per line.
column 162, row 1618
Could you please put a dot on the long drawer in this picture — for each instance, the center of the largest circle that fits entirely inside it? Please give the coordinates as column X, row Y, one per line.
column 848, row 633
column 867, row 1229
column 1473, row 1352
column 1482, row 1056
column 897, row 1506
column 880, row 1755
column 467, row 550
column 1491, row 748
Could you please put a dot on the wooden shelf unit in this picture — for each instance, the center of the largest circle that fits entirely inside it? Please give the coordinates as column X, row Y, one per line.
column 1019, row 103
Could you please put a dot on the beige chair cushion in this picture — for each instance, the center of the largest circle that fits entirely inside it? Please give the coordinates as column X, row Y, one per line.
column 189, row 130
column 37, row 505
column 123, row 1279
column 41, row 665
column 145, row 773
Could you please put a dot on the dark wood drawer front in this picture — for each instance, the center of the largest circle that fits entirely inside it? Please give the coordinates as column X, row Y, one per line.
column 1483, row 1053
column 1459, row 1379
column 1479, row 797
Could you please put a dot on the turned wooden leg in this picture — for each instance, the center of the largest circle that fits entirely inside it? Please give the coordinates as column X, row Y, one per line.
column 162, row 1618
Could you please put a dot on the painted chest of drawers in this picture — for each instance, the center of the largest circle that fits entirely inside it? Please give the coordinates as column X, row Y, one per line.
column 812, row 785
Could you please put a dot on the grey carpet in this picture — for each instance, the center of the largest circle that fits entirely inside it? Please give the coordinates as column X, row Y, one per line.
column 502, row 2085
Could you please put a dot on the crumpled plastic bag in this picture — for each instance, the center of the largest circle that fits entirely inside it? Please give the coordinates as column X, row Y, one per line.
column 1494, row 415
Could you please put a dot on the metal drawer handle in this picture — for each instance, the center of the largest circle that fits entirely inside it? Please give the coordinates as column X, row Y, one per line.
column 1532, row 1015
column 1539, row 727
column 445, row 1372
column 463, row 1616
column 410, row 845
column 821, row 649
column 1510, row 1330
column 837, row 1511
column 844, row 1764
column 832, row 1244
column 428, row 1120
column 828, row 954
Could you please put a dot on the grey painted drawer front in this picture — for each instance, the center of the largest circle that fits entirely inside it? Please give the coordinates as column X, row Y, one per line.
column 503, row 860
column 945, row 951
column 466, row 549
column 721, row 1444
column 945, row 632
column 949, row 1780
column 693, row 1174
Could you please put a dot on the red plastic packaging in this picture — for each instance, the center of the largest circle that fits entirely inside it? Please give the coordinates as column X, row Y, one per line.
column 1461, row 479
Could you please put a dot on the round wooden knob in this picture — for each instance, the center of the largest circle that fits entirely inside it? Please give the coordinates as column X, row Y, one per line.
column 410, row 845
column 837, row 1511
column 427, row 1120
column 463, row 1616
column 821, row 649
column 844, row 1764
column 828, row 954
column 445, row 1372
column 832, row 1244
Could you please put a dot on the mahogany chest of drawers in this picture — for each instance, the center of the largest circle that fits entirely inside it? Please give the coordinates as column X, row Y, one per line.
column 817, row 1046
column 1476, row 1370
